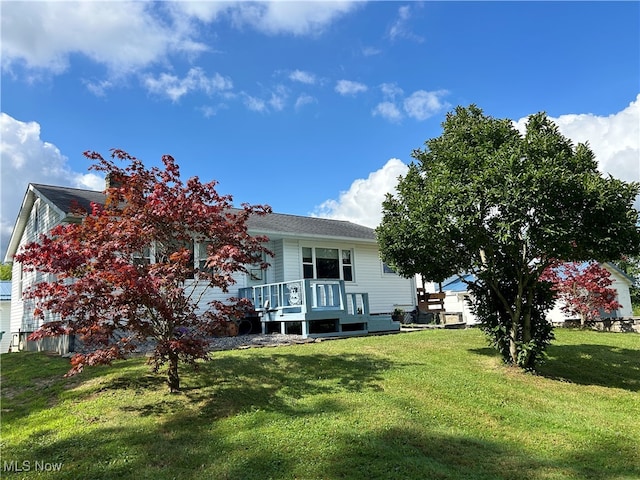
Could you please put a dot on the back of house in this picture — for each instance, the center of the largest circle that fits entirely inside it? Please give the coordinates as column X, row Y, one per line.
column 330, row 262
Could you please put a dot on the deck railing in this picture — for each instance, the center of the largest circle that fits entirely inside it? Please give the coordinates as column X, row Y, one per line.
column 306, row 296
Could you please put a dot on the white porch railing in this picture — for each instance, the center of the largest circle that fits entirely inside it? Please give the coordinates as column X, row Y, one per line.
column 302, row 298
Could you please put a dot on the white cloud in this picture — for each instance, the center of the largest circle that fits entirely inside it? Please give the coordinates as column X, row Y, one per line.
column 302, row 77
column 370, row 51
column 388, row 110
column 124, row 36
column 99, row 88
column 391, row 90
column 614, row 139
column 276, row 101
column 130, row 36
column 283, row 17
column 347, row 87
column 303, row 100
column 209, row 111
column 422, row 104
column 203, row 11
column 26, row 158
column 196, row 80
column 254, row 104
column 278, row 98
column 401, row 28
column 362, row 203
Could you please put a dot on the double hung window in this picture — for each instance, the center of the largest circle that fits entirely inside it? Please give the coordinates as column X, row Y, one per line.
column 142, row 258
column 320, row 262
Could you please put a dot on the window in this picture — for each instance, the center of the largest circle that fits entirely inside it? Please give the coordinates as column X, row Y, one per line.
column 327, row 263
column 202, row 253
column 36, row 218
column 160, row 252
column 307, row 262
column 347, row 268
column 142, row 258
column 20, row 278
column 387, row 269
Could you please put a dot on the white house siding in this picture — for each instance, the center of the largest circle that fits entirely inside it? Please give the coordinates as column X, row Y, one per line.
column 42, row 219
column 209, row 294
column 291, row 259
column 454, row 302
column 385, row 290
column 5, row 325
column 621, row 285
column 17, row 305
column 277, row 269
column 5, row 315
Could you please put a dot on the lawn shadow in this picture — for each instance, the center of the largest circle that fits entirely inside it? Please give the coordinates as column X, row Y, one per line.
column 223, row 386
column 41, row 375
column 192, row 443
column 199, row 451
column 485, row 351
column 276, row 382
column 412, row 453
column 588, row 364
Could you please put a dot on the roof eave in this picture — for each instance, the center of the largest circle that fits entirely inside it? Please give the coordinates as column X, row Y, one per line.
column 304, row 236
column 23, row 217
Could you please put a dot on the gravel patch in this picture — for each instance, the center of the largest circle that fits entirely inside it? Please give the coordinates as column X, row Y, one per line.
column 256, row 340
column 221, row 343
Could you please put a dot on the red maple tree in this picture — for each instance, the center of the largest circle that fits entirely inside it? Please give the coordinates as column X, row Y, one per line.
column 124, row 272
column 584, row 289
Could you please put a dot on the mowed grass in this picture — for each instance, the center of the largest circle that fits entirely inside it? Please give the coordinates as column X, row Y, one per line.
column 426, row 405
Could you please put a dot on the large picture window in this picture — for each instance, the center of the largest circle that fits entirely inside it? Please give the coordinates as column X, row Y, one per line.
column 327, row 263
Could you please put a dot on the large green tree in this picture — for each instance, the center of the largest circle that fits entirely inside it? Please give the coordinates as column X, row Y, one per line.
column 484, row 199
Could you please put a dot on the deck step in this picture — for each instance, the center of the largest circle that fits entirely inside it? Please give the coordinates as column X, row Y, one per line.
column 382, row 323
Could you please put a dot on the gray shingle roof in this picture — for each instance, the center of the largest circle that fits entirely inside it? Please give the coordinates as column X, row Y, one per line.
column 310, row 226
column 274, row 223
column 64, row 197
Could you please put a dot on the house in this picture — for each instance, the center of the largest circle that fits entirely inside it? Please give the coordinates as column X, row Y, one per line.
column 621, row 284
column 455, row 293
column 5, row 315
column 325, row 279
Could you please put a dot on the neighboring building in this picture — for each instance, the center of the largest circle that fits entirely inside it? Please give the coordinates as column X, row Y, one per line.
column 332, row 268
column 455, row 299
column 456, row 292
column 5, row 315
column 621, row 284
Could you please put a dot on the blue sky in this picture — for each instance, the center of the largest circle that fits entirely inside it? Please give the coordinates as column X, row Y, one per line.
column 310, row 107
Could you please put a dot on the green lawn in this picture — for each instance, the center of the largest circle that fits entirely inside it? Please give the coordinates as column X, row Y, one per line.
column 428, row 405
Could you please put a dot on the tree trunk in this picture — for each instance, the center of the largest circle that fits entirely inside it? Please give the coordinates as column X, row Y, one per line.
column 513, row 346
column 173, row 380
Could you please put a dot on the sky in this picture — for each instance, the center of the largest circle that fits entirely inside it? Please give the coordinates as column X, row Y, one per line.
column 310, row 107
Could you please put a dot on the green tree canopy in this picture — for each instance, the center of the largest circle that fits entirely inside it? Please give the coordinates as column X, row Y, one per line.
column 5, row 271
column 484, row 199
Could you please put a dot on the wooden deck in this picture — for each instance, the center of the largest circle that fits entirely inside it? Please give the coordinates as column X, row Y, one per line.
column 315, row 308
